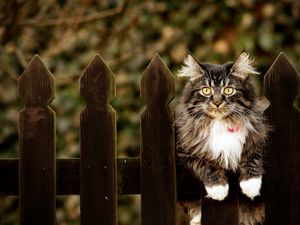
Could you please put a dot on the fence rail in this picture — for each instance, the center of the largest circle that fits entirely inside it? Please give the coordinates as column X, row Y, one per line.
column 97, row 176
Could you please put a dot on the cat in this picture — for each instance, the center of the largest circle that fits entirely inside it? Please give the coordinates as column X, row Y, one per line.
column 220, row 127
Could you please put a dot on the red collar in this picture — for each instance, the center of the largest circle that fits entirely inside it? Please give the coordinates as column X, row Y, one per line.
column 232, row 129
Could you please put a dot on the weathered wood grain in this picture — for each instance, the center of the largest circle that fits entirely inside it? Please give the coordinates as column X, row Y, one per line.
column 37, row 146
column 158, row 175
column 282, row 156
column 97, row 134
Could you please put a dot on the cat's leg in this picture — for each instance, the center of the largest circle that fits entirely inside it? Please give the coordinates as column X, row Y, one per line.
column 193, row 209
column 251, row 169
column 251, row 212
column 215, row 182
column 196, row 218
column 213, row 177
column 251, row 187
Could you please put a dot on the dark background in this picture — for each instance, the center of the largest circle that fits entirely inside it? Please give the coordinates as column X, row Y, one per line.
column 68, row 33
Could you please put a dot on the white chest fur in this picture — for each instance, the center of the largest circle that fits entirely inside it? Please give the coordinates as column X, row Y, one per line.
column 226, row 141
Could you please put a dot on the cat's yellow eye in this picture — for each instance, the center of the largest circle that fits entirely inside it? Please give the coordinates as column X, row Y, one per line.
column 206, row 91
column 228, row 90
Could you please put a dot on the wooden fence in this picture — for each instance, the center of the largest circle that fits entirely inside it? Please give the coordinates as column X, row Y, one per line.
column 37, row 176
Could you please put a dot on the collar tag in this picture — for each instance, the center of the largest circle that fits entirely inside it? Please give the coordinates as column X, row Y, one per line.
column 232, row 129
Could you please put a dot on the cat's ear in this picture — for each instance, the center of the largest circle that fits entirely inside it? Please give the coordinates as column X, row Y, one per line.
column 242, row 67
column 191, row 68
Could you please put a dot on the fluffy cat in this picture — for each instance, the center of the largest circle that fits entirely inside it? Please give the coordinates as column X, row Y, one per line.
column 220, row 127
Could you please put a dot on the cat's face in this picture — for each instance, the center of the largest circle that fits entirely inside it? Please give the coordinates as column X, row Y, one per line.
column 218, row 91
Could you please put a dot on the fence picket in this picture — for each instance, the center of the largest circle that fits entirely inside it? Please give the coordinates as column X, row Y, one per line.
column 282, row 180
column 222, row 212
column 37, row 187
column 153, row 175
column 158, row 150
column 97, row 133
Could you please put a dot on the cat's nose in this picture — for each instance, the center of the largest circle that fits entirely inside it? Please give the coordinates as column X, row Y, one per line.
column 218, row 103
column 217, row 100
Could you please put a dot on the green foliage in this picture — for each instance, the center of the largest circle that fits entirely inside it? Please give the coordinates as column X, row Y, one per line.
column 67, row 34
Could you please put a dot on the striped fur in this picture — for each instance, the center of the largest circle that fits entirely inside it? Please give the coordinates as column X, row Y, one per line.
column 206, row 142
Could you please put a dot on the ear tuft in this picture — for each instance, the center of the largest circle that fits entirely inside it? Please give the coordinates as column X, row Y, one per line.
column 242, row 67
column 191, row 68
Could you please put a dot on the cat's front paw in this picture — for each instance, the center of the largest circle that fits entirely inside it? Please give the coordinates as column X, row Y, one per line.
column 217, row 192
column 251, row 187
column 196, row 219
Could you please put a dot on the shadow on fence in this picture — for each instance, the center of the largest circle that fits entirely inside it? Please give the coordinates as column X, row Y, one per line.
column 37, row 176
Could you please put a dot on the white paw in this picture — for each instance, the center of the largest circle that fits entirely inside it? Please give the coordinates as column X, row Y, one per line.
column 196, row 220
column 251, row 187
column 217, row 192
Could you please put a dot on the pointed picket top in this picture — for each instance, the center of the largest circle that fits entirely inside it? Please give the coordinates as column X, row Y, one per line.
column 157, row 146
column 97, row 83
column 157, row 84
column 37, row 177
column 281, row 153
column 281, row 82
column 36, row 84
column 97, row 151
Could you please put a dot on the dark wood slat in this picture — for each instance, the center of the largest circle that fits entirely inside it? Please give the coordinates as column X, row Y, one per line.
column 282, row 178
column 129, row 176
column 9, row 176
column 97, row 133
column 157, row 150
column 67, row 175
column 37, row 146
column 222, row 212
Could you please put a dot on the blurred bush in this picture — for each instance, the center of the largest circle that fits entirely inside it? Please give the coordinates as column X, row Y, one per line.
column 67, row 34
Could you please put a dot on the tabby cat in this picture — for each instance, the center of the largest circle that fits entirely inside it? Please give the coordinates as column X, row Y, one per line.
column 220, row 127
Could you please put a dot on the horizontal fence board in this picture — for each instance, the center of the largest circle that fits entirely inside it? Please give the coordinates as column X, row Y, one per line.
column 9, row 176
column 67, row 175
column 128, row 176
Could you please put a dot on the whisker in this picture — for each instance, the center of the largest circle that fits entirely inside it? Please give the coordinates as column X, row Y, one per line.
column 188, row 115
